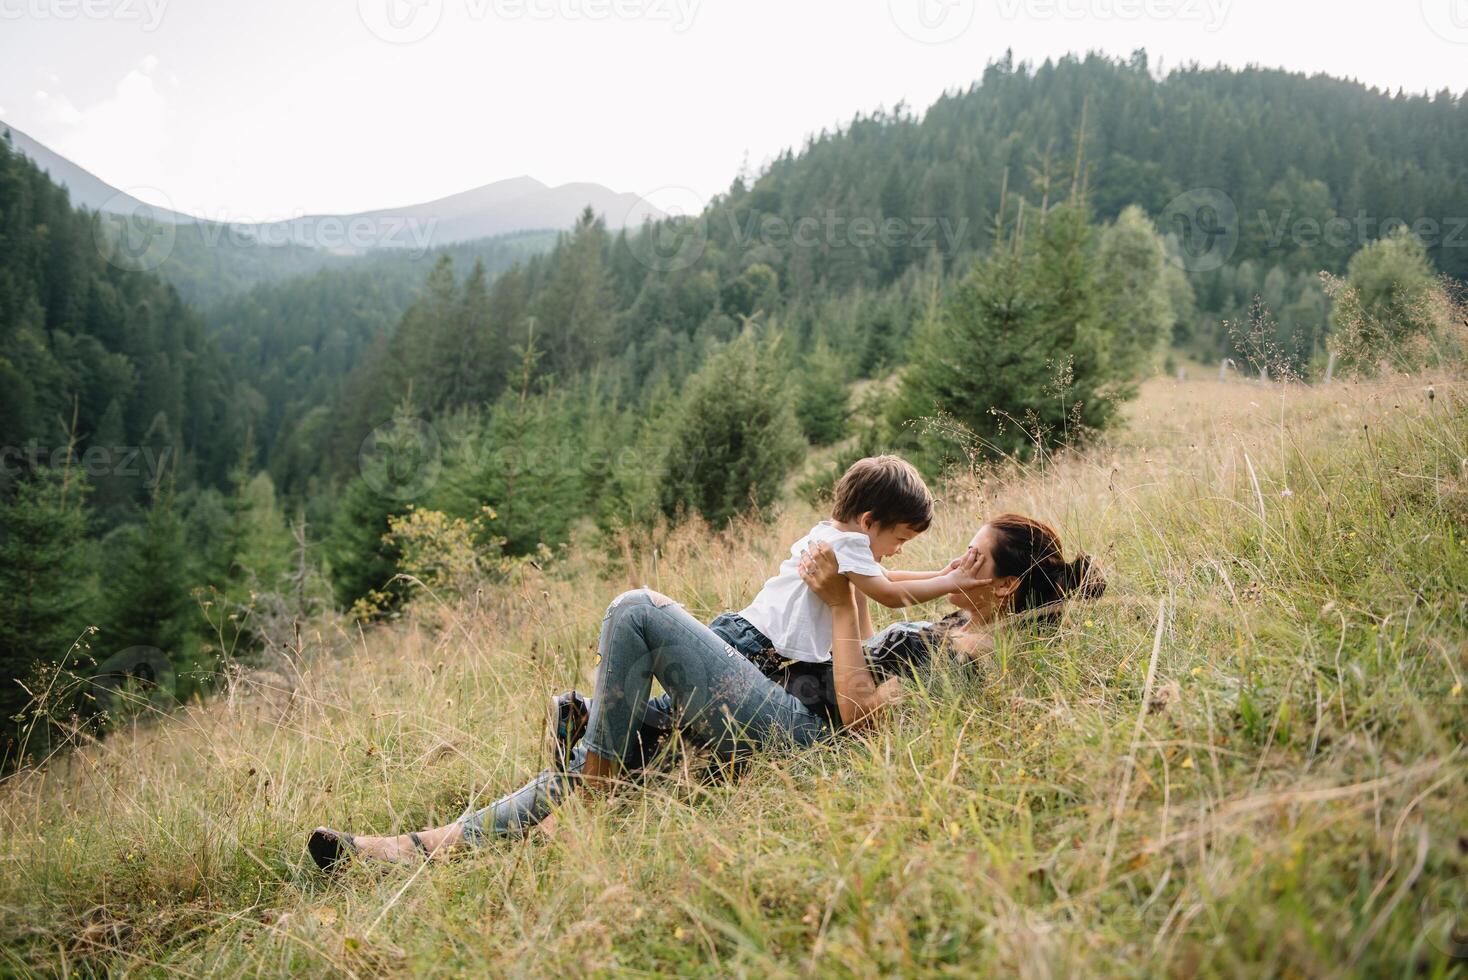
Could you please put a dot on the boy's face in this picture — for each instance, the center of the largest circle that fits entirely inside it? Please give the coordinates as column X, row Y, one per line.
column 886, row 541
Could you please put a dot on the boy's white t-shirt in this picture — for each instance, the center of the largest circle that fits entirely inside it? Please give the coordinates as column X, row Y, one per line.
column 795, row 619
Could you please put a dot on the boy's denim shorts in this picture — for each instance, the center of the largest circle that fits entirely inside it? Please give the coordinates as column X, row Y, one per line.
column 745, row 637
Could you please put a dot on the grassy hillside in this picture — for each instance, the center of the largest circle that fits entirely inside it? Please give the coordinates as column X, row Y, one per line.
column 1248, row 759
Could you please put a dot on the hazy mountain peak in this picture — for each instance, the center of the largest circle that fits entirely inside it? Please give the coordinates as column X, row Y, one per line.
column 513, row 204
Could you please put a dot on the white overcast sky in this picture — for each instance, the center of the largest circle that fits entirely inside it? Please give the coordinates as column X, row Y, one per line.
column 256, row 109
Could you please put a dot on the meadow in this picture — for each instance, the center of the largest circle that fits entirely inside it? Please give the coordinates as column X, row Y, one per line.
column 1247, row 759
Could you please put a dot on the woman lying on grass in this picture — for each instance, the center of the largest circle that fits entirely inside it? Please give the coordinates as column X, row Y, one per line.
column 717, row 699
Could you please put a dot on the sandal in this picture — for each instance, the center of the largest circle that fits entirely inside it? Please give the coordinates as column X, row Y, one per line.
column 570, row 713
column 330, row 848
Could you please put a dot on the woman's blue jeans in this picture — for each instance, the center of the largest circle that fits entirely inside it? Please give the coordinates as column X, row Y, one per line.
column 714, row 697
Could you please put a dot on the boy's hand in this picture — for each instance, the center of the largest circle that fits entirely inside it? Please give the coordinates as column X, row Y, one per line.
column 965, row 573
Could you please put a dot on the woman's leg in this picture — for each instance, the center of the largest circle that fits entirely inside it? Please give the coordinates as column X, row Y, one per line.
column 517, row 813
column 714, row 695
column 718, row 697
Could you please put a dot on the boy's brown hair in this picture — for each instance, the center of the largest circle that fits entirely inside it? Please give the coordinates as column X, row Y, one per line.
column 890, row 488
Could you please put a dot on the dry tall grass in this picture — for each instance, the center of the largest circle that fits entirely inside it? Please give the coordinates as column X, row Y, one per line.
column 1248, row 759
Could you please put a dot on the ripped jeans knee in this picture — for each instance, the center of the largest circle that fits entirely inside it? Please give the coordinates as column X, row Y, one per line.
column 651, row 597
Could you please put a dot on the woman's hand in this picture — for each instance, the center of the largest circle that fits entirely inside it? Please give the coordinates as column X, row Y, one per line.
column 818, row 569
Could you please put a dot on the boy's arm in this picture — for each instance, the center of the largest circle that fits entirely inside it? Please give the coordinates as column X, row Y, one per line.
column 896, row 595
column 900, row 576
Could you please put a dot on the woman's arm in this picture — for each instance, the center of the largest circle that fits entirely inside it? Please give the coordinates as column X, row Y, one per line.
column 864, row 617
column 858, row 696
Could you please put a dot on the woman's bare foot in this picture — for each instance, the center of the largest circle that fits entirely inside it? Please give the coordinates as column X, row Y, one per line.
column 438, row 844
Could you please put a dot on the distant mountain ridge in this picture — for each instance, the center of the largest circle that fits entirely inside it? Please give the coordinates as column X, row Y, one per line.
column 86, row 189
column 502, row 207
column 505, row 206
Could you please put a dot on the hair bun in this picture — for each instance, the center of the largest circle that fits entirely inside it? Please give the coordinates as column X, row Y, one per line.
column 1082, row 578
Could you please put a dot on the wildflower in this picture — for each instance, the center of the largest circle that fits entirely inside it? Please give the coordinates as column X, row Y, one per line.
column 1457, row 690
column 1090, row 623
column 1188, row 762
column 1287, row 492
column 680, row 933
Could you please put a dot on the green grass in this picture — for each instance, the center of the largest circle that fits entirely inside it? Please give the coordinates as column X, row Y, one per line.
column 1247, row 760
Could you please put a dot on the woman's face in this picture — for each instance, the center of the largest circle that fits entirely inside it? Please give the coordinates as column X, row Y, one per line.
column 985, row 602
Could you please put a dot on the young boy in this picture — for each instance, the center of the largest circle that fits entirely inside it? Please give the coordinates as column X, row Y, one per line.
column 881, row 504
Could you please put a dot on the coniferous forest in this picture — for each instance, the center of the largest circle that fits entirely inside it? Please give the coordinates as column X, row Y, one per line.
column 202, row 450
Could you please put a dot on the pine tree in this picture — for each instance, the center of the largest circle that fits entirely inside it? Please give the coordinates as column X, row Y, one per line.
column 1389, row 306
column 148, row 601
column 113, row 493
column 823, row 396
column 45, row 584
column 1135, row 304
column 735, row 436
column 361, row 561
column 1017, row 356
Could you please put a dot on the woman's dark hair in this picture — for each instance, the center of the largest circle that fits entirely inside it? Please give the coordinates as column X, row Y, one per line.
column 1030, row 550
